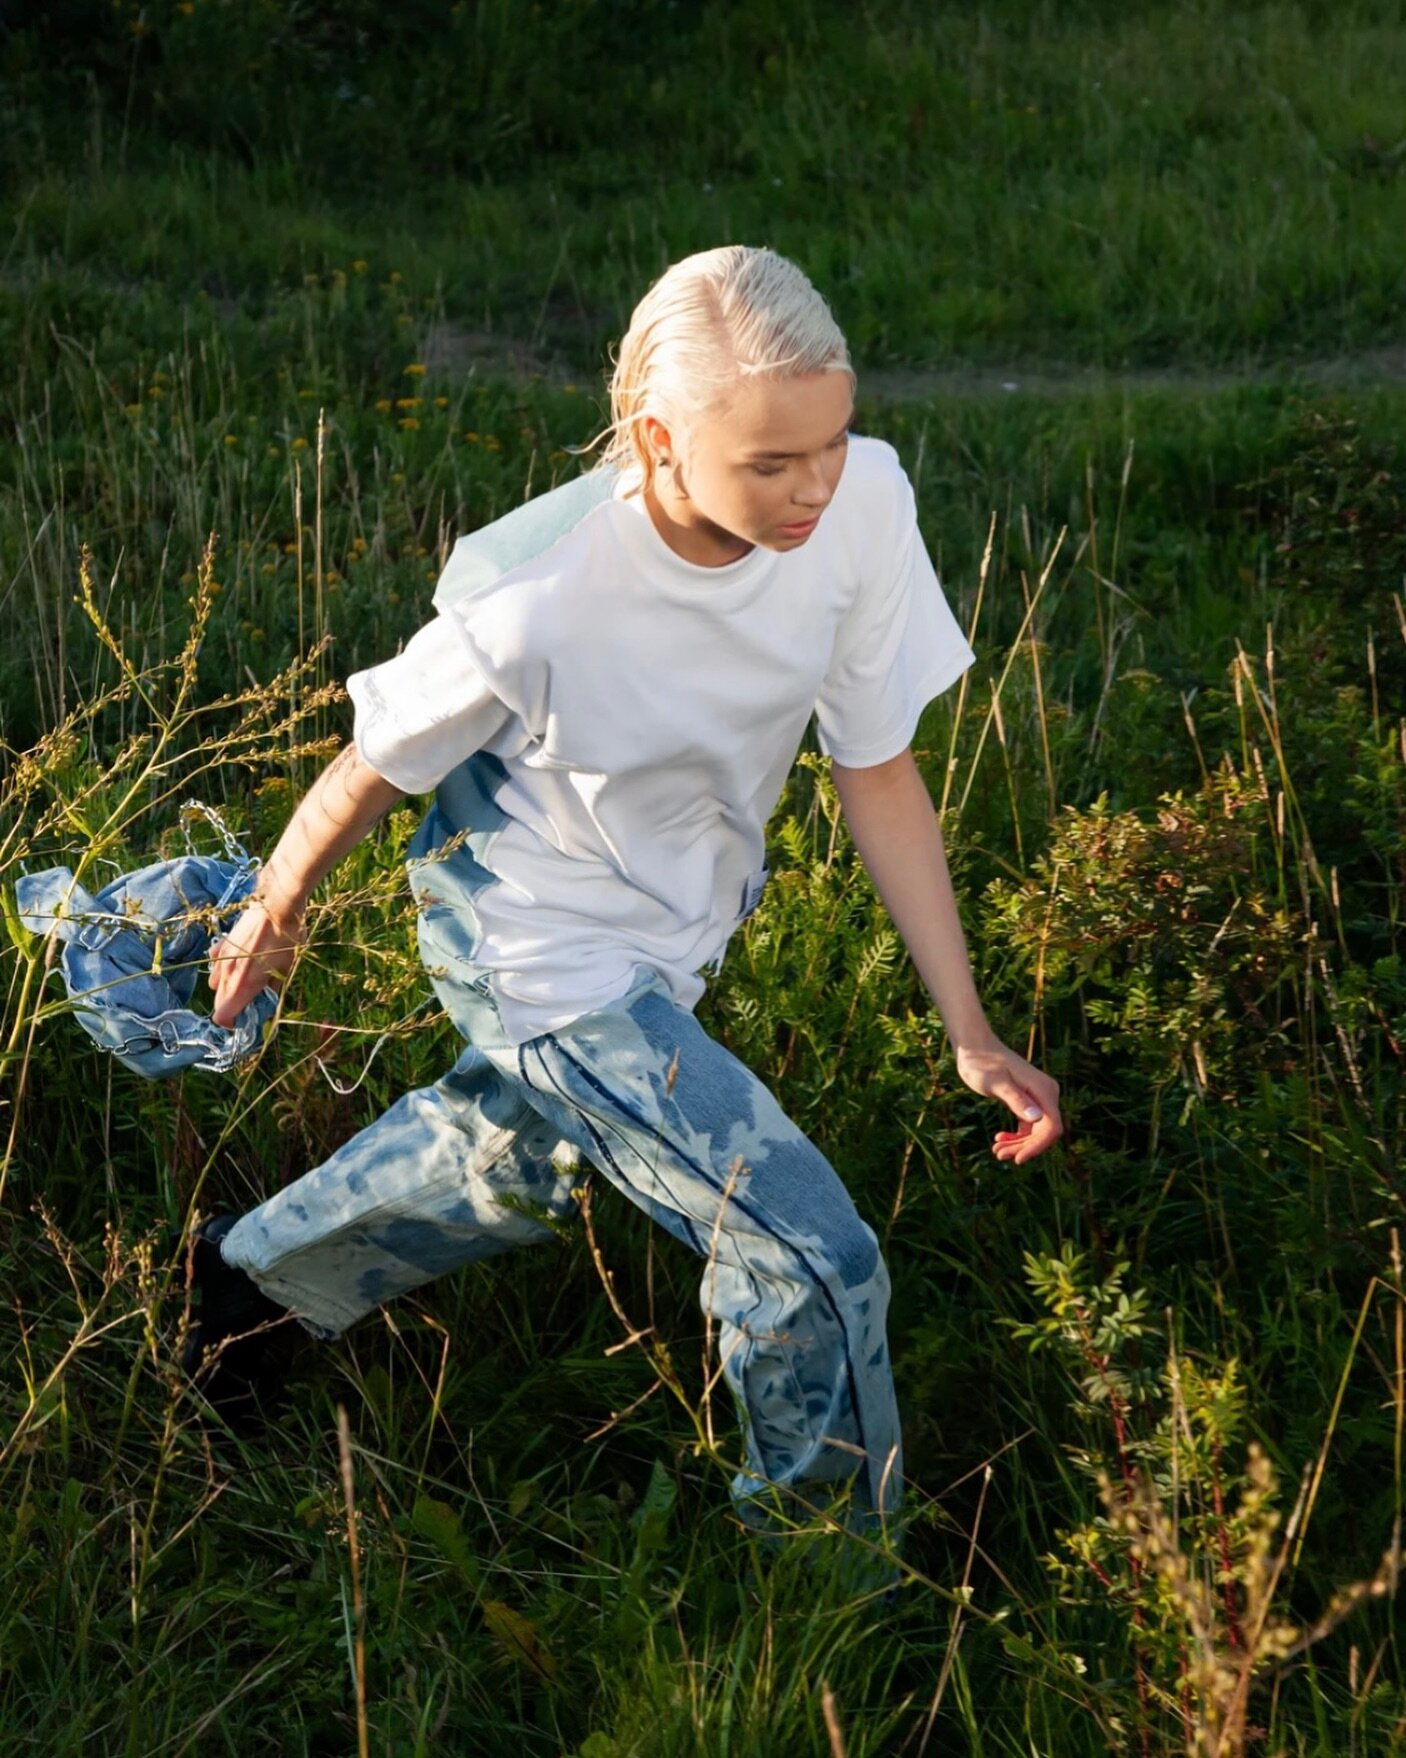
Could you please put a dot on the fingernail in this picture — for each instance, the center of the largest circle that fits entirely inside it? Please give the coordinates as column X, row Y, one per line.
column 1034, row 1113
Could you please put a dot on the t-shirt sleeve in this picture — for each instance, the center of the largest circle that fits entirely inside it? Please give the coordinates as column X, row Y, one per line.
column 424, row 712
column 897, row 647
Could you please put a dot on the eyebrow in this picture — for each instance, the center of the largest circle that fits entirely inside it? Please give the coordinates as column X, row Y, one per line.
column 773, row 457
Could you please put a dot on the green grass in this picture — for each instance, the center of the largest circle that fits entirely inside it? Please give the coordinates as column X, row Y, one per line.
column 1177, row 841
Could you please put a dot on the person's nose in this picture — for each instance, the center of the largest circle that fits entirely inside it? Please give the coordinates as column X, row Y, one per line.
column 813, row 491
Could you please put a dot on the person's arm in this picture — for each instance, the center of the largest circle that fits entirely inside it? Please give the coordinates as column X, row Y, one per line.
column 896, row 831
column 331, row 818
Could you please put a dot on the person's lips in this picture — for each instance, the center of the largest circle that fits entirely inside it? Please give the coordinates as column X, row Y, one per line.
column 800, row 529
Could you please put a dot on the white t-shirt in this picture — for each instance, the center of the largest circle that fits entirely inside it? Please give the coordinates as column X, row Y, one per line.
column 609, row 726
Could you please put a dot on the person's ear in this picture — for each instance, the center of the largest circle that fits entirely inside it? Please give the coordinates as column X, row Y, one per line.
column 659, row 441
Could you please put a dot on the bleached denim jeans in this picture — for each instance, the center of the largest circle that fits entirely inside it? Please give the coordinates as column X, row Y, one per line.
column 454, row 1172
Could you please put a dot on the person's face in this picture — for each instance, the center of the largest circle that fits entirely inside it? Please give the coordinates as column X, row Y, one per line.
column 764, row 466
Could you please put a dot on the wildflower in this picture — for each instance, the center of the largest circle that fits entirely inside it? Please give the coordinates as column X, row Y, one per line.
column 568, row 390
column 273, row 451
column 402, row 317
column 134, row 408
column 332, row 576
column 392, row 598
column 471, row 437
column 397, row 477
column 155, row 391
column 360, row 266
column 231, row 439
column 185, row 7
column 384, row 405
column 395, row 277
column 493, row 443
column 300, row 444
column 310, row 280
column 407, row 402
column 441, row 402
column 269, row 568
column 409, row 423
column 290, row 549
column 415, row 370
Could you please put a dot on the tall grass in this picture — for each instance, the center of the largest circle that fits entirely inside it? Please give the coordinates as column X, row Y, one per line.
column 545, row 1560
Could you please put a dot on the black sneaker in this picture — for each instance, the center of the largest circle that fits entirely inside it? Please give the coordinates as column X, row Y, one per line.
column 234, row 1353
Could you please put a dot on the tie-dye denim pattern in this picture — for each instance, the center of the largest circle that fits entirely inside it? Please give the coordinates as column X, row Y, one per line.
column 794, row 1280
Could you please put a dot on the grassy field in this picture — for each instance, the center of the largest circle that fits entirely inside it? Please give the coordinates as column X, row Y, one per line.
column 337, row 287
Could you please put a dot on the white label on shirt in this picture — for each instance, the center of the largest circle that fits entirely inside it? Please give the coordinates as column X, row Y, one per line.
column 752, row 891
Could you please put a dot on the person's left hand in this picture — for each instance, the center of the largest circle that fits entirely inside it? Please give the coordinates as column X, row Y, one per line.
column 996, row 1072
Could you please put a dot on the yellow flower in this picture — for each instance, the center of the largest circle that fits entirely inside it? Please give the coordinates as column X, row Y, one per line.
column 384, row 405
column 569, row 390
column 392, row 598
column 290, row 549
column 397, row 477
column 359, row 267
column 269, row 568
column 395, row 277
column 415, row 370
column 471, row 437
column 134, row 408
column 300, row 444
column 402, row 317
column 273, row 451
column 231, row 439
column 407, row 402
column 332, row 576
column 310, row 280
column 185, row 7
column 441, row 402
column 409, row 423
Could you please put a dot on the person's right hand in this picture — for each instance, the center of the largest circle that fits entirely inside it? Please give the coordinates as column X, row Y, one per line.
column 260, row 949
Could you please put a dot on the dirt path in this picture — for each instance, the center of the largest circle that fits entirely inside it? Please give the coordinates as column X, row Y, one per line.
column 448, row 348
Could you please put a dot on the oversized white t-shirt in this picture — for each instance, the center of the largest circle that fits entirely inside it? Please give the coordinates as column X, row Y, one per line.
column 609, row 726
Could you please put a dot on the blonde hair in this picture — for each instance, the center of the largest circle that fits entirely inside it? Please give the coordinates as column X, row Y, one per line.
column 713, row 318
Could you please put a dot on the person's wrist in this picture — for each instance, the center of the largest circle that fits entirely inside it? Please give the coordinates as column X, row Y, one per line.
column 973, row 1038
column 286, row 910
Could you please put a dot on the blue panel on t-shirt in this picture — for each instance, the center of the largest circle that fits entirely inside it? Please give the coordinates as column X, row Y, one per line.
column 481, row 557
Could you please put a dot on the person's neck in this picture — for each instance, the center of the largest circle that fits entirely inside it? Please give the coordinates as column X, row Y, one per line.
column 696, row 539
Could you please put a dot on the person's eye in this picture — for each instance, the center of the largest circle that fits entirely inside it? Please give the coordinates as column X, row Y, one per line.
column 767, row 469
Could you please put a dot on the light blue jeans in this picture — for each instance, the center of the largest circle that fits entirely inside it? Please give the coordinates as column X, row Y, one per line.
column 794, row 1280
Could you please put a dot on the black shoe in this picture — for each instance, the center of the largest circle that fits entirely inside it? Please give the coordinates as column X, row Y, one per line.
column 234, row 1353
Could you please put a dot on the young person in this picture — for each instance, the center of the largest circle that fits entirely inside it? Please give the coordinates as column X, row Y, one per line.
column 606, row 707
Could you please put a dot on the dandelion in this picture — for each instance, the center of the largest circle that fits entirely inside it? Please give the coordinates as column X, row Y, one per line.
column 395, row 277
column 409, row 423
column 416, row 369
column 384, row 405
column 407, row 402
column 231, row 439
column 568, row 390
column 397, row 477
column 290, row 549
column 471, row 437
column 441, row 402
column 273, row 451
column 300, row 444
column 360, row 266
column 392, row 598
column 269, row 568
column 493, row 443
